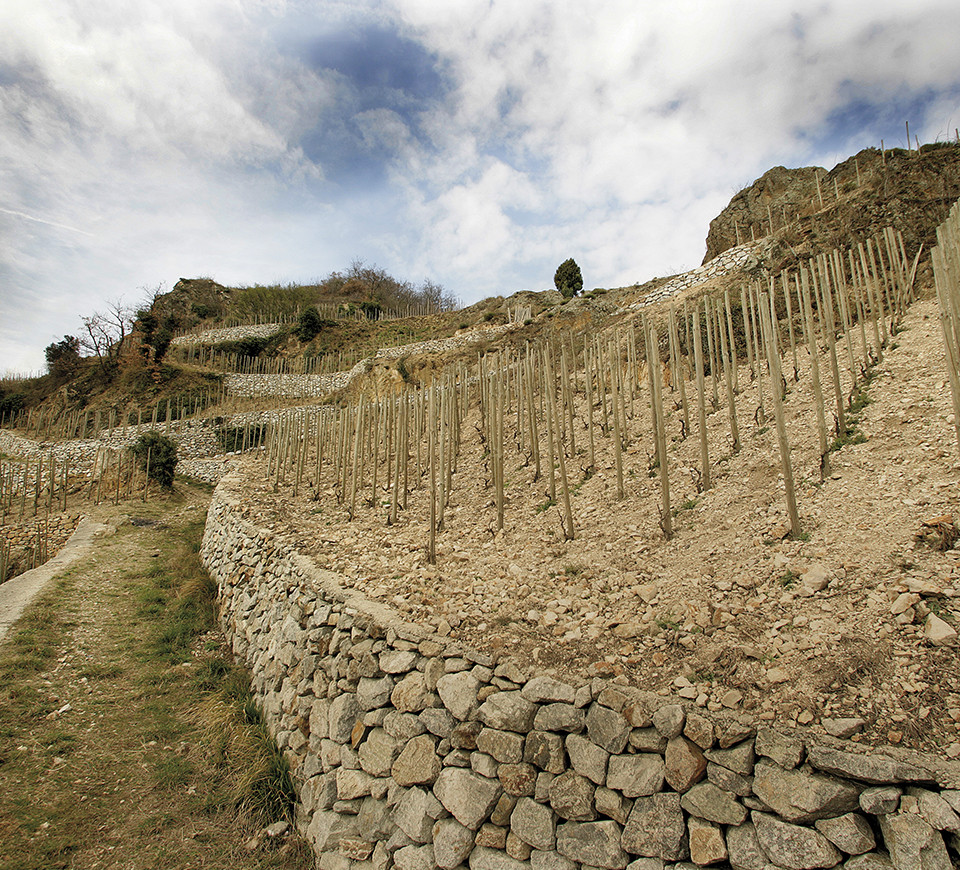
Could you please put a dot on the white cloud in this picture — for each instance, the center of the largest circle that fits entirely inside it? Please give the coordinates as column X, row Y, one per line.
column 625, row 107
column 146, row 81
column 188, row 137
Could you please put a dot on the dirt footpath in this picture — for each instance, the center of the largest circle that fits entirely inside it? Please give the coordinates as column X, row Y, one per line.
column 104, row 760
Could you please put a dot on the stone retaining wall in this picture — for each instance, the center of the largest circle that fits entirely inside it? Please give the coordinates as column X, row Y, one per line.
column 290, row 386
column 317, row 386
column 33, row 538
column 195, row 439
column 412, row 751
column 198, row 450
column 741, row 257
column 229, row 333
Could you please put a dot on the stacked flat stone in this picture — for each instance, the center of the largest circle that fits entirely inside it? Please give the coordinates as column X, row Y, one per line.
column 195, row 439
column 228, row 333
column 244, row 386
column 198, row 447
column 741, row 257
column 415, row 752
column 317, row 386
column 54, row 530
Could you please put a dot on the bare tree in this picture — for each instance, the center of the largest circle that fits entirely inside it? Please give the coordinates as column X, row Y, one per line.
column 434, row 295
column 105, row 332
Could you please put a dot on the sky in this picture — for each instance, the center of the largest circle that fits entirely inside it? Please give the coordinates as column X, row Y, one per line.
column 477, row 143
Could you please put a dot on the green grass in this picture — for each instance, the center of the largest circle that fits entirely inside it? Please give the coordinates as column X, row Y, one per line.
column 789, row 579
column 131, row 774
column 852, row 434
column 668, row 622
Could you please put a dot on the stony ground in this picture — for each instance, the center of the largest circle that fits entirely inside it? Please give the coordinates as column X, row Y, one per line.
column 730, row 613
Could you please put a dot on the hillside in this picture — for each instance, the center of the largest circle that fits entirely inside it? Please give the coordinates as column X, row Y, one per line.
column 731, row 610
column 665, row 571
column 555, row 541
column 810, row 209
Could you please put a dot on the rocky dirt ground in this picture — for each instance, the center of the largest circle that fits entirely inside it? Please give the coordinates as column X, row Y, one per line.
column 840, row 622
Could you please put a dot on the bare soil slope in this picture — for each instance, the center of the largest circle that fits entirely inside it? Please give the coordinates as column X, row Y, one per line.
column 729, row 614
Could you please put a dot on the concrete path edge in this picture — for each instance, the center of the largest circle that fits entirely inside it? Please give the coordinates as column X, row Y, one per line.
column 17, row 594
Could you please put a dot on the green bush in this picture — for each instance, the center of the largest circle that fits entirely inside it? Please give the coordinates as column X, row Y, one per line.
column 63, row 358
column 568, row 279
column 371, row 310
column 308, row 324
column 12, row 403
column 163, row 456
column 250, row 346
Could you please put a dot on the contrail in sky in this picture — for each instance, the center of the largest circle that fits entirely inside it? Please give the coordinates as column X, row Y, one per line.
column 28, row 217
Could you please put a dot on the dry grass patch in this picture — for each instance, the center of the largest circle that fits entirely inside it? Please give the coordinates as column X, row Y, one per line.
column 107, row 756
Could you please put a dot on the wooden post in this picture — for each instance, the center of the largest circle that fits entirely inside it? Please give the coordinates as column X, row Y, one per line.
column 773, row 359
column 552, row 446
column 840, row 282
column 728, row 382
column 602, row 387
column 758, row 353
column 432, row 460
column 949, row 328
column 532, row 412
column 678, row 380
column 732, row 339
column 400, row 421
column 555, row 422
column 830, row 331
column 701, row 401
column 815, row 374
column 617, row 434
column 883, row 296
column 497, row 436
column 659, row 431
column 357, row 453
column 146, row 479
column 946, row 270
column 785, row 282
column 873, row 299
column 860, row 291
column 747, row 334
column 588, row 387
column 567, row 397
column 708, row 314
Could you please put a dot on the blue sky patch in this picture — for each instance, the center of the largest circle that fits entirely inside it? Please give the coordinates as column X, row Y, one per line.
column 374, row 68
column 874, row 115
column 376, row 61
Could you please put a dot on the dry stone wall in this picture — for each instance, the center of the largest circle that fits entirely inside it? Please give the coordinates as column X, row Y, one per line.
column 743, row 257
column 198, row 449
column 413, row 752
column 196, row 439
column 228, row 333
column 246, row 386
column 29, row 542
column 317, row 386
